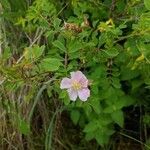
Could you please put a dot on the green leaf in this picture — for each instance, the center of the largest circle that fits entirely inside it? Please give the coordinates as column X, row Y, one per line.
column 87, row 108
column 116, row 83
column 147, row 4
column 23, row 126
column 101, row 136
column 92, row 126
column 127, row 73
column 62, row 94
column 113, row 52
column 118, row 117
column 50, row 64
column 75, row 116
column 59, row 45
column 110, row 93
column 143, row 49
column 6, row 54
column 89, row 136
column 74, row 46
column 104, row 120
column 136, row 84
column 66, row 101
column 96, row 105
column 32, row 53
column 110, row 109
column 56, row 23
column 127, row 100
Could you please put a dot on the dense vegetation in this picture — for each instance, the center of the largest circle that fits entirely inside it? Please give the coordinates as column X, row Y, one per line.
column 42, row 41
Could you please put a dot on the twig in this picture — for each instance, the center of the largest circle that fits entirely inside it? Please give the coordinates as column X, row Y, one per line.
column 66, row 60
column 112, row 8
column 130, row 137
column 37, row 36
column 62, row 9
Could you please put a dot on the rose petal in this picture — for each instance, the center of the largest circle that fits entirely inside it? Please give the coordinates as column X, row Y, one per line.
column 84, row 82
column 78, row 75
column 72, row 94
column 84, row 94
column 65, row 83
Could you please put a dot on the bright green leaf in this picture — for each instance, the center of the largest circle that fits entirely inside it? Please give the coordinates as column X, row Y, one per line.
column 50, row 64
column 23, row 127
column 56, row 23
column 147, row 4
column 112, row 52
column 59, row 45
column 74, row 46
column 32, row 53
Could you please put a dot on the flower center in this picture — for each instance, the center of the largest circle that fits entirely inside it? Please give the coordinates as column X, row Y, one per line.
column 76, row 85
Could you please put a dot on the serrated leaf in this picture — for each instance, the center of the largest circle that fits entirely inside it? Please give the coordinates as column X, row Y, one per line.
column 116, row 83
column 75, row 116
column 112, row 52
column 74, row 46
column 33, row 53
column 96, row 105
column 50, row 64
column 92, row 126
column 56, row 23
column 59, row 45
column 118, row 117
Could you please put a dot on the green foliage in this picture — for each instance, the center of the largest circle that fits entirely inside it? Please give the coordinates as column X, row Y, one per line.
column 75, row 116
column 118, row 117
column 23, row 127
column 49, row 64
column 147, row 4
column 33, row 53
column 45, row 40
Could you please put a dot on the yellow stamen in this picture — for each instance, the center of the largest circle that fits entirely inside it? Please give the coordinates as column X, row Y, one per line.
column 76, row 85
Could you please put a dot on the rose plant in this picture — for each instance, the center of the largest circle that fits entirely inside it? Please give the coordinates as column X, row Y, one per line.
column 106, row 42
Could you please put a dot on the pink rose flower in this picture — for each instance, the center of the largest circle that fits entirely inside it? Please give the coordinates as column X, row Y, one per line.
column 76, row 86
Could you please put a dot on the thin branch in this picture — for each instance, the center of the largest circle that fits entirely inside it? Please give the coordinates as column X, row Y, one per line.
column 130, row 137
